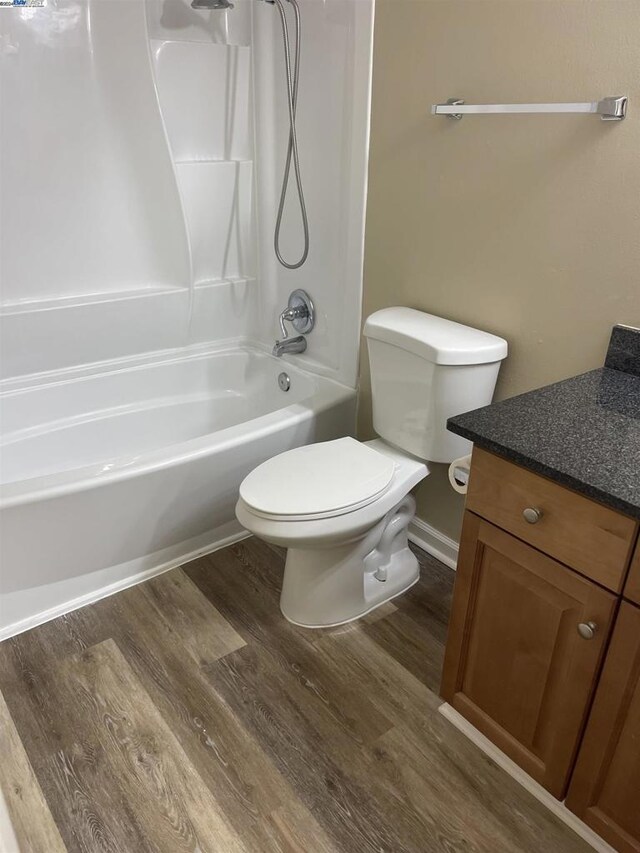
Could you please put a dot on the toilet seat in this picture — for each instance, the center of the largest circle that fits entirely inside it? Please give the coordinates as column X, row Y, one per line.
column 295, row 532
column 318, row 481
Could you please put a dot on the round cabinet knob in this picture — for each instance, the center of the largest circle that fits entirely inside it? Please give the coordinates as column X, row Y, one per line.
column 532, row 514
column 587, row 630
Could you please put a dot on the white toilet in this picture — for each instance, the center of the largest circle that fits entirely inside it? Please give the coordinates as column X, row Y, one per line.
column 342, row 507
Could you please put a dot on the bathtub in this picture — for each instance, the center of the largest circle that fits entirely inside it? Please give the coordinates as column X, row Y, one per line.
column 109, row 477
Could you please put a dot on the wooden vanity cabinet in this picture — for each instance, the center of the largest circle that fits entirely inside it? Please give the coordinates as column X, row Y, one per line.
column 632, row 586
column 516, row 666
column 543, row 651
column 605, row 786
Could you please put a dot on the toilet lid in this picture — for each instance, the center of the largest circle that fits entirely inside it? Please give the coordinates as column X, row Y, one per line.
column 317, row 480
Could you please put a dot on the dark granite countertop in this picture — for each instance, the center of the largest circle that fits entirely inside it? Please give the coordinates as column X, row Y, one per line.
column 583, row 432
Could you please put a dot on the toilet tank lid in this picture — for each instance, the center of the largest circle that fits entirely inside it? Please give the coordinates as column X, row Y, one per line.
column 434, row 338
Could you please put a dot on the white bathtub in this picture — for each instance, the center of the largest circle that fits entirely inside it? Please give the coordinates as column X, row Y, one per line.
column 108, row 478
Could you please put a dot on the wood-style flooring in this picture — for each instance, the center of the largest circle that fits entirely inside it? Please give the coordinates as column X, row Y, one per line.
column 186, row 714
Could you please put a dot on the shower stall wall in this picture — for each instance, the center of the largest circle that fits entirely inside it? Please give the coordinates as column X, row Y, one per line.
column 142, row 144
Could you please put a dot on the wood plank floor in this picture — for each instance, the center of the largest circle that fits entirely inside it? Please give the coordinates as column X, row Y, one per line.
column 186, row 714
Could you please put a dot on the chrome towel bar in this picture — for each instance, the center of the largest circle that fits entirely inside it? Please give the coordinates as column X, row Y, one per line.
column 609, row 109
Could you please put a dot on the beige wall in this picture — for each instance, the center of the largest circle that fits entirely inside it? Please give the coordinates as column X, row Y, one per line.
column 526, row 226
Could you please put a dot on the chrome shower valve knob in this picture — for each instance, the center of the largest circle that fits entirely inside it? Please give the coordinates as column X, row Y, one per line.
column 299, row 312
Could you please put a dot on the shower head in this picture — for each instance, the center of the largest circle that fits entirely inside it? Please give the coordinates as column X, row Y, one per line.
column 211, row 4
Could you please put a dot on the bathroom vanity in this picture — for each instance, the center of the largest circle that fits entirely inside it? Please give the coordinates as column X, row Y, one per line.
column 543, row 651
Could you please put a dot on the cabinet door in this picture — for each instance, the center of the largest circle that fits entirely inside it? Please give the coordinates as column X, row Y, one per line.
column 516, row 665
column 605, row 787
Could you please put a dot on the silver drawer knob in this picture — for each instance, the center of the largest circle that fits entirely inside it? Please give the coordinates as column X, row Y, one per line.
column 587, row 630
column 532, row 514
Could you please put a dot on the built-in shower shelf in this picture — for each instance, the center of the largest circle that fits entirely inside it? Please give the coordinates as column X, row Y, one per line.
column 70, row 300
column 213, row 160
column 115, row 325
column 204, row 92
column 222, row 282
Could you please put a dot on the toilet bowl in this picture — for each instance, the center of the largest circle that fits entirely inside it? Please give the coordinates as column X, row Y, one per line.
column 342, row 508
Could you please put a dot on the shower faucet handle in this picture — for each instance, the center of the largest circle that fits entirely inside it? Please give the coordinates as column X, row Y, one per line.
column 299, row 312
column 291, row 314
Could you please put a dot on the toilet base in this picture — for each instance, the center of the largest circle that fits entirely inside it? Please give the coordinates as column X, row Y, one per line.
column 351, row 618
column 326, row 587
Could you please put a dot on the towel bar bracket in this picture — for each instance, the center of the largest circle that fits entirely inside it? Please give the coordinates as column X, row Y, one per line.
column 455, row 102
column 612, row 109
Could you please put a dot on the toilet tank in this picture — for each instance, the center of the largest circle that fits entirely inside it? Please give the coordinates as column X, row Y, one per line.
column 425, row 369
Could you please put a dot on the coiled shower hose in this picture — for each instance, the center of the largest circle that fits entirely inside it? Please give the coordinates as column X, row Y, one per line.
column 292, row 148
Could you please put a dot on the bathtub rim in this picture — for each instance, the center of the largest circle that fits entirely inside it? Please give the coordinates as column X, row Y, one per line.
column 328, row 392
column 26, row 382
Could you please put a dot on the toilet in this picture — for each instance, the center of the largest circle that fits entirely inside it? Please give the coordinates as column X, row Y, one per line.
column 342, row 508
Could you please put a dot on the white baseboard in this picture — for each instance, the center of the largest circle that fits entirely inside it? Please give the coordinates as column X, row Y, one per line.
column 161, row 561
column 541, row 794
column 434, row 542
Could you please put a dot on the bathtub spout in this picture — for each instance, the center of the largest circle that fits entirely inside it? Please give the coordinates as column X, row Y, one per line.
column 289, row 346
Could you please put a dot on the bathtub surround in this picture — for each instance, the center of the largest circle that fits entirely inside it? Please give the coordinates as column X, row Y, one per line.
column 185, row 112
column 525, row 226
column 234, row 714
column 332, row 121
column 212, row 152
column 139, row 306
column 83, row 141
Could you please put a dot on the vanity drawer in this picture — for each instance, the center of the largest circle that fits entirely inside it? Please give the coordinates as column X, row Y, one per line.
column 589, row 537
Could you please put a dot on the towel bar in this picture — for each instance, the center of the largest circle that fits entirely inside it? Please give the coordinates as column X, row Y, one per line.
column 609, row 109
